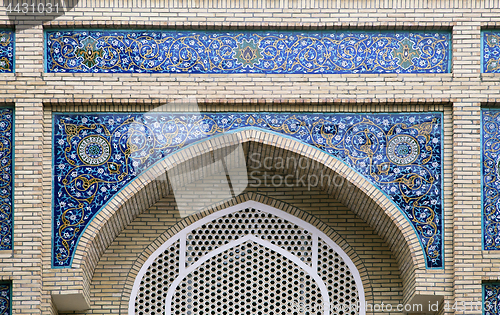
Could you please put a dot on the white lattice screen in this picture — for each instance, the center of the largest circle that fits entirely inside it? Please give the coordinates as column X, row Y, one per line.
column 249, row 259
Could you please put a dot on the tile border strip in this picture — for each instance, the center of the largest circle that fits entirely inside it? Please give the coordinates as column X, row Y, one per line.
column 490, row 171
column 232, row 52
column 7, row 175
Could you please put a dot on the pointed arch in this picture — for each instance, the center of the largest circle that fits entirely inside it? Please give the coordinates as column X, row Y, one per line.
column 181, row 238
column 368, row 202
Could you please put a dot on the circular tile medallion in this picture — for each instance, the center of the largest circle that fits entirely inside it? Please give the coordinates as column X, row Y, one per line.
column 403, row 150
column 94, row 150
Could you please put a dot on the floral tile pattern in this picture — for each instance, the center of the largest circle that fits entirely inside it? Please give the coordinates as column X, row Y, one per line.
column 6, row 51
column 491, row 296
column 81, row 51
column 96, row 155
column 490, row 142
column 5, row 298
column 491, row 51
column 6, row 174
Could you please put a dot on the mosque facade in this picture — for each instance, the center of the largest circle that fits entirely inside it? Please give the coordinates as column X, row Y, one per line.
column 231, row 157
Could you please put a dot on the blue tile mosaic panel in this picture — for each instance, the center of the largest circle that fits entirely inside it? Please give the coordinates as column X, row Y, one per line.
column 83, row 51
column 96, row 155
column 6, row 51
column 491, row 296
column 490, row 51
column 6, row 174
column 5, row 298
column 490, row 146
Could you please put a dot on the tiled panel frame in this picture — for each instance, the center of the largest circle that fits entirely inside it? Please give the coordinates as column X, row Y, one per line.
column 94, row 157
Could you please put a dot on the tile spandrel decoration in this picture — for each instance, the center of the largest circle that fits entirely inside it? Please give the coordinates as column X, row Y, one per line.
column 83, row 51
column 96, row 155
column 6, row 51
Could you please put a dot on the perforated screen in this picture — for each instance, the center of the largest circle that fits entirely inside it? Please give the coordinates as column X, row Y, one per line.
column 267, row 226
column 246, row 279
column 158, row 277
column 252, row 261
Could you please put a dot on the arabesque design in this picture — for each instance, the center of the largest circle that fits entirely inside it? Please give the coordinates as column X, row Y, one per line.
column 491, row 295
column 491, row 178
column 5, row 298
column 6, row 51
column 6, row 175
column 85, row 51
column 491, row 52
column 86, row 179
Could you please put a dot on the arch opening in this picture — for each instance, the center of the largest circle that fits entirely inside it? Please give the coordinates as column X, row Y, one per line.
column 375, row 209
column 297, row 266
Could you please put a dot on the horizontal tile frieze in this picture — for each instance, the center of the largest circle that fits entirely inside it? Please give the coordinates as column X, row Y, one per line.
column 232, row 52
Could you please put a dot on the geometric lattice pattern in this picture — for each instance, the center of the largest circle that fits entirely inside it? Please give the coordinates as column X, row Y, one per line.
column 266, row 226
column 96, row 155
column 6, row 177
column 80, row 51
column 491, row 295
column 248, row 274
column 490, row 51
column 5, row 298
column 338, row 279
column 490, row 169
column 6, row 51
column 160, row 275
column 246, row 279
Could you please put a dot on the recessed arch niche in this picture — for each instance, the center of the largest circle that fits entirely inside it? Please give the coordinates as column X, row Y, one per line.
column 251, row 258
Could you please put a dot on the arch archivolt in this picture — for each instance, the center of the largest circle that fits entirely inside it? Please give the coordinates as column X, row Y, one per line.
column 357, row 193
